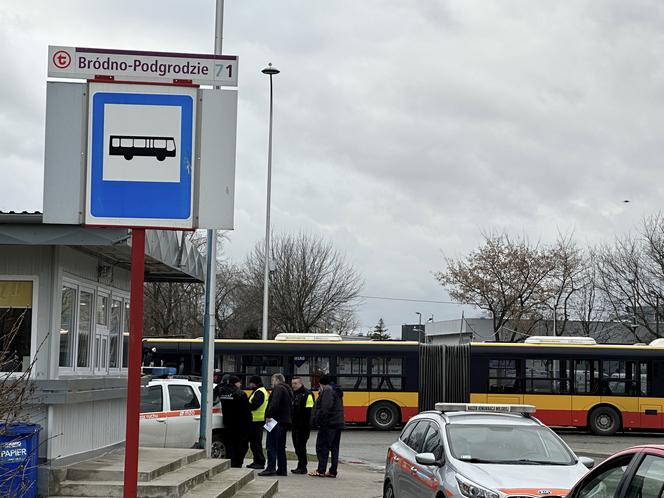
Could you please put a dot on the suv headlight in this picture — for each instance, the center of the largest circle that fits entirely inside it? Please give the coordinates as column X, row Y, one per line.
column 472, row 490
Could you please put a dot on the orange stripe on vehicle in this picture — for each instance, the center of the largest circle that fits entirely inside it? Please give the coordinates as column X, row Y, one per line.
column 535, row 491
column 176, row 413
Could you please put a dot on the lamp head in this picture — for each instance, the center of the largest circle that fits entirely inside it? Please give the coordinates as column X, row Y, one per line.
column 270, row 70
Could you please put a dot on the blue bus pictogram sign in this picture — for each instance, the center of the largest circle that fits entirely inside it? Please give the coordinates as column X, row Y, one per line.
column 141, row 153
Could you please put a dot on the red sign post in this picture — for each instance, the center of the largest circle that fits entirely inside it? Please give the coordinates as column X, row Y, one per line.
column 134, row 363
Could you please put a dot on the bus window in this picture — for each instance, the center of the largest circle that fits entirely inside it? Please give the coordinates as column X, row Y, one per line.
column 586, row 376
column 386, row 374
column 547, row 377
column 644, row 386
column 229, row 364
column 504, row 376
column 352, row 373
column 310, row 369
column 618, row 377
column 264, row 366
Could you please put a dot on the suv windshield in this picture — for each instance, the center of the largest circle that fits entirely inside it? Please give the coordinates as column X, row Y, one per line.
column 505, row 444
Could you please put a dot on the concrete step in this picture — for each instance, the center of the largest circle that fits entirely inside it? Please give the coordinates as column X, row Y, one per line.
column 170, row 485
column 223, row 485
column 260, row 488
column 153, row 462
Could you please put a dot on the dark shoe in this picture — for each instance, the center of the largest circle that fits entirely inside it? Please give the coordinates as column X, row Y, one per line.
column 282, row 473
column 256, row 466
column 333, row 475
column 267, row 473
column 299, row 471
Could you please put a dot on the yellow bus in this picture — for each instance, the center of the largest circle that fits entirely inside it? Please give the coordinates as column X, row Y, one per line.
column 603, row 387
column 379, row 378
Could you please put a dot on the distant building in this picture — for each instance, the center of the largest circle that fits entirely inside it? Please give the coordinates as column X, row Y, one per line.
column 481, row 329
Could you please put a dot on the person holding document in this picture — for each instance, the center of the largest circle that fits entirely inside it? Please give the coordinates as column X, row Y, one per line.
column 278, row 418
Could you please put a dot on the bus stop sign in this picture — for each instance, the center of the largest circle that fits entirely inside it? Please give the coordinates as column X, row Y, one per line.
column 141, row 141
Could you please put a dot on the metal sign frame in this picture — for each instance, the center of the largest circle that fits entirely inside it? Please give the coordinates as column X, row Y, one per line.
column 150, row 203
column 143, row 66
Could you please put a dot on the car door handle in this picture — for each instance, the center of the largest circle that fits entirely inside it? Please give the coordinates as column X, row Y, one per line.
column 396, row 458
column 197, row 417
column 413, row 470
column 161, row 420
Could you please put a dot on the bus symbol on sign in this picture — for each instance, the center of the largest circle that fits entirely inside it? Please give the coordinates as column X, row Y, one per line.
column 130, row 146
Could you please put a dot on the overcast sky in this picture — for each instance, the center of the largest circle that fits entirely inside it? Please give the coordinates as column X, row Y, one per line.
column 402, row 128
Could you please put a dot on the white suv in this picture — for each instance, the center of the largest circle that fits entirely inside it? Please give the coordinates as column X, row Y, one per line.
column 171, row 413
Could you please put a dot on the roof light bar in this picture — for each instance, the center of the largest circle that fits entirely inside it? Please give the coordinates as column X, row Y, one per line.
column 484, row 407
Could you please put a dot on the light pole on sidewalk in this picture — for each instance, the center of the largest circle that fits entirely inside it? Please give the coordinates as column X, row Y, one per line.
column 270, row 71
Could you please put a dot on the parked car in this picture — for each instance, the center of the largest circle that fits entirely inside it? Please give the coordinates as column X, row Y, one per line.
column 466, row 450
column 171, row 413
column 637, row 472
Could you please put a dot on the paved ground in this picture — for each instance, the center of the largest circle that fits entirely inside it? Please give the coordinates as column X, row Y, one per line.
column 363, row 452
column 356, row 481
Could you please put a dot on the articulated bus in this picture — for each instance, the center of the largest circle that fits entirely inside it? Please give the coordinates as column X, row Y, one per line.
column 379, row 378
column 602, row 387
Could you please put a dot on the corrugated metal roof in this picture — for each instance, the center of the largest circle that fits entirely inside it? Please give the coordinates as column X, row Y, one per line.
column 165, row 259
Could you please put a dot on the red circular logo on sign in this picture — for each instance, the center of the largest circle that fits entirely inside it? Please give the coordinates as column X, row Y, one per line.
column 61, row 59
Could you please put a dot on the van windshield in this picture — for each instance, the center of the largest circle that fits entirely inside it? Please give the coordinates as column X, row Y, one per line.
column 507, row 444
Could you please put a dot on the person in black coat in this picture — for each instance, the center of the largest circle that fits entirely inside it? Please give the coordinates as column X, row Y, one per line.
column 279, row 410
column 329, row 418
column 303, row 404
column 236, row 415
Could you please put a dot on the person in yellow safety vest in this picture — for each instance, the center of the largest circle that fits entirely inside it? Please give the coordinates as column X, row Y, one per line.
column 258, row 404
column 303, row 403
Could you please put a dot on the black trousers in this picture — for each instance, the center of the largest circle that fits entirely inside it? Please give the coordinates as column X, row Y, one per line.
column 237, row 445
column 276, row 449
column 327, row 443
column 256, row 442
column 300, row 438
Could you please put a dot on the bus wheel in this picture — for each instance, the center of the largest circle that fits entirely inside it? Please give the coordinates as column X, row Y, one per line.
column 218, row 446
column 160, row 157
column 128, row 157
column 604, row 421
column 383, row 416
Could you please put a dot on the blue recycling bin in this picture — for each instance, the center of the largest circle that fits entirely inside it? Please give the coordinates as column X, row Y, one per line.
column 19, row 449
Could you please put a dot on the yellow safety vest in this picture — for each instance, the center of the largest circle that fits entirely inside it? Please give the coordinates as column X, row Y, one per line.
column 258, row 415
column 310, row 401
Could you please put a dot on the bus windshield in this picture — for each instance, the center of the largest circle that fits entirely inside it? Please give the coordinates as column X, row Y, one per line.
column 505, row 444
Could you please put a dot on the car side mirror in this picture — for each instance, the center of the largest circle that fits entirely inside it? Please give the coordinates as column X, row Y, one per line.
column 427, row 459
column 587, row 461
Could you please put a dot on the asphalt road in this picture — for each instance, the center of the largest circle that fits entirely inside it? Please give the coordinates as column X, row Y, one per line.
column 370, row 446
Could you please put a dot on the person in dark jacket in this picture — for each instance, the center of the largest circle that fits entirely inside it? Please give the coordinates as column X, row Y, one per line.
column 303, row 403
column 236, row 417
column 258, row 403
column 329, row 418
column 279, row 410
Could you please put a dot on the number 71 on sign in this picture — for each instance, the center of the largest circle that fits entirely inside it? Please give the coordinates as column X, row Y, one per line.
column 223, row 70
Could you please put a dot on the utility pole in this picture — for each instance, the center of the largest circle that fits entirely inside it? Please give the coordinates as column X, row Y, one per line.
column 210, row 318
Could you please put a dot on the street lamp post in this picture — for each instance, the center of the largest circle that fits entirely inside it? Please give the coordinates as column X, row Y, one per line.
column 419, row 325
column 270, row 71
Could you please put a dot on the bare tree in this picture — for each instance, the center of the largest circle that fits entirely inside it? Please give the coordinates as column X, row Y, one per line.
column 505, row 277
column 567, row 276
column 312, row 286
column 631, row 277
